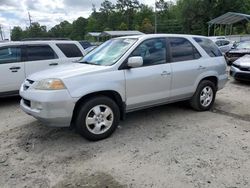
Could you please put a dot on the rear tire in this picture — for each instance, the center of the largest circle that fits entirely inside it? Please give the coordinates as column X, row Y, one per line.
column 97, row 118
column 204, row 97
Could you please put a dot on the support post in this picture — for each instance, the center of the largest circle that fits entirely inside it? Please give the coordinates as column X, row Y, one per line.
column 214, row 29
column 208, row 32
column 231, row 29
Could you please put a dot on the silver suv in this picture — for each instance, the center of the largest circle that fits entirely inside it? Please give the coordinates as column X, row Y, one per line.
column 123, row 75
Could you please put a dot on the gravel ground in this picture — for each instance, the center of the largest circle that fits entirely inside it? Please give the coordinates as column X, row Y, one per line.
column 168, row 146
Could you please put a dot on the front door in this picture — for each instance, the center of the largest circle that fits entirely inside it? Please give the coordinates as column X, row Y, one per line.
column 149, row 84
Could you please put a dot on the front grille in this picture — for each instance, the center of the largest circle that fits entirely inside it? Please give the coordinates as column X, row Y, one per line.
column 27, row 102
column 27, row 84
column 243, row 76
column 244, row 69
column 30, row 81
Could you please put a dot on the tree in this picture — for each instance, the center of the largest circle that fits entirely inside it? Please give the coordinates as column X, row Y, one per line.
column 64, row 29
column 79, row 27
column 147, row 26
column 123, row 26
column 16, row 33
column 36, row 30
column 128, row 9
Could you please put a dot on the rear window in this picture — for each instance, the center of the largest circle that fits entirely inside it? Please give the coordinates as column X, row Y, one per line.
column 40, row 52
column 209, row 46
column 70, row 50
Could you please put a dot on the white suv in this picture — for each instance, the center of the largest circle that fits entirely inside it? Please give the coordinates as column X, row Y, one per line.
column 18, row 60
column 123, row 75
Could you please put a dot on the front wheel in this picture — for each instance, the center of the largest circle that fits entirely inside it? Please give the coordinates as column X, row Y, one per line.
column 97, row 118
column 204, row 97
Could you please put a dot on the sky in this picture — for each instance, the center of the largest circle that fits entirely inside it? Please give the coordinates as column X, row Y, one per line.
column 46, row 12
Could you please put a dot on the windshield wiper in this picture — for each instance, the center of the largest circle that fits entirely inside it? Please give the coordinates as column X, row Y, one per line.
column 86, row 62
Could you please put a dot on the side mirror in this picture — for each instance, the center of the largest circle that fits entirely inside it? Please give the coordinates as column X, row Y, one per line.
column 134, row 62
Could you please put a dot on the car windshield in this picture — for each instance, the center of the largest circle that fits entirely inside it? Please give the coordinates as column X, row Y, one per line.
column 109, row 52
column 243, row 45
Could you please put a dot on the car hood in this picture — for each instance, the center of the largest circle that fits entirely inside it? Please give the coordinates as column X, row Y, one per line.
column 66, row 71
column 239, row 51
column 243, row 61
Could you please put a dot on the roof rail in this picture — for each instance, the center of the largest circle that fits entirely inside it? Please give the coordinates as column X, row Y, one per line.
column 36, row 39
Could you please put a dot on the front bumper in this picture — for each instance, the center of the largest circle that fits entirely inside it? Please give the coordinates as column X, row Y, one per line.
column 239, row 74
column 52, row 108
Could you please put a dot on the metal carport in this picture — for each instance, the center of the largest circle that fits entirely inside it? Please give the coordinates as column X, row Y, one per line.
column 227, row 20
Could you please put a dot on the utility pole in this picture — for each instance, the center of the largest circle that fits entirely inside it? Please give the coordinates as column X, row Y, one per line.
column 30, row 21
column 155, row 16
column 1, row 32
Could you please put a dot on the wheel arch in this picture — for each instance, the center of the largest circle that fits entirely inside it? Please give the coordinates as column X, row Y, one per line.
column 114, row 95
column 213, row 79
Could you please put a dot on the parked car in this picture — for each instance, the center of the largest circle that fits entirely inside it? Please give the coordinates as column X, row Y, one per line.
column 240, row 69
column 217, row 37
column 240, row 50
column 224, row 44
column 123, row 75
column 85, row 44
column 89, row 49
column 20, row 59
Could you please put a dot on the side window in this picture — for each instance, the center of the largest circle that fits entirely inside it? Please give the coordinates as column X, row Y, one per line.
column 40, row 52
column 219, row 43
column 70, row 50
column 182, row 50
column 225, row 42
column 10, row 55
column 153, row 51
column 209, row 46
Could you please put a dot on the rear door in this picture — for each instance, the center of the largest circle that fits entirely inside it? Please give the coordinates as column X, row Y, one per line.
column 39, row 57
column 11, row 69
column 185, row 65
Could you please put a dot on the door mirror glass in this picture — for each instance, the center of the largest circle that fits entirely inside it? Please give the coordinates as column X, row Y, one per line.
column 135, row 61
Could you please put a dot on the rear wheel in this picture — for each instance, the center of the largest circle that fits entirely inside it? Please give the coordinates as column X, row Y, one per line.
column 204, row 97
column 97, row 118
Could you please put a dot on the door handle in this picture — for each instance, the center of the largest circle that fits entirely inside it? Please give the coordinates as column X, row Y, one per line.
column 15, row 68
column 201, row 67
column 53, row 64
column 165, row 73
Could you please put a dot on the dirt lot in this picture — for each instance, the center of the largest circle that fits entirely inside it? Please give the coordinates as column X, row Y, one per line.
column 168, row 146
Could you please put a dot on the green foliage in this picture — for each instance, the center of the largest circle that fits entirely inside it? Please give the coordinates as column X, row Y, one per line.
column 16, row 33
column 123, row 26
column 183, row 16
column 147, row 26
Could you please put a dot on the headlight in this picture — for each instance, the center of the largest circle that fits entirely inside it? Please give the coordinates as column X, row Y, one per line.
column 50, row 84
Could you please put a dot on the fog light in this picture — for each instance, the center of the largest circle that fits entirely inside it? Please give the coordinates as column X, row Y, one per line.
column 36, row 105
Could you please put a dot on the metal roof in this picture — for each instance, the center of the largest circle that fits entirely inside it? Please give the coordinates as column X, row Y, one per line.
column 94, row 34
column 229, row 18
column 120, row 33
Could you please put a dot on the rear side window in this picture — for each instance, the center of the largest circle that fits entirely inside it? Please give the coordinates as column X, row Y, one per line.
column 40, row 52
column 225, row 42
column 209, row 46
column 182, row 50
column 10, row 55
column 70, row 50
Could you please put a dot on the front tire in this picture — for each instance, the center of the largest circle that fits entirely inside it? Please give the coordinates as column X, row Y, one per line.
column 97, row 118
column 204, row 97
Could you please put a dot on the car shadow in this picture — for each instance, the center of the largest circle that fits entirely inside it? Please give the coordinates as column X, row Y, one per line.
column 241, row 83
column 5, row 101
